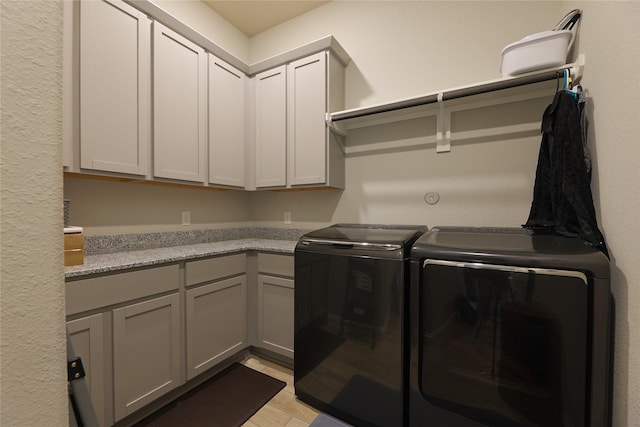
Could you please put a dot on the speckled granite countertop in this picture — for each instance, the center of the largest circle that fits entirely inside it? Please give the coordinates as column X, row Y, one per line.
column 112, row 262
column 99, row 263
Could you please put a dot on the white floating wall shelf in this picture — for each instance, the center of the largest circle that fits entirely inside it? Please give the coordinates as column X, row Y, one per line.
column 436, row 103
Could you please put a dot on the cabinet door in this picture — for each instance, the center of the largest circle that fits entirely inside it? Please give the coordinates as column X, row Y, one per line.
column 146, row 352
column 275, row 314
column 307, row 108
column 114, row 87
column 227, row 88
column 271, row 128
column 87, row 339
column 216, row 323
column 179, row 106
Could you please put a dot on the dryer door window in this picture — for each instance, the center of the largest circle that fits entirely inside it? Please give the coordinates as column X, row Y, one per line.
column 504, row 345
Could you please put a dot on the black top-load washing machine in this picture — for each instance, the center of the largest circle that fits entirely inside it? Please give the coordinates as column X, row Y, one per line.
column 351, row 283
column 509, row 327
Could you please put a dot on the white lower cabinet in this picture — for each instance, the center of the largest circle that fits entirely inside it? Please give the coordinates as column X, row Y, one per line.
column 138, row 332
column 275, row 314
column 275, row 303
column 216, row 323
column 126, row 347
column 146, row 352
column 216, row 310
column 87, row 340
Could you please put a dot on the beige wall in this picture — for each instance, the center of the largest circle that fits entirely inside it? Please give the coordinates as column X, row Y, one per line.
column 32, row 358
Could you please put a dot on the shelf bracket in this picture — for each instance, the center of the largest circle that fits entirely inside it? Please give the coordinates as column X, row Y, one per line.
column 577, row 68
column 334, row 127
column 443, row 129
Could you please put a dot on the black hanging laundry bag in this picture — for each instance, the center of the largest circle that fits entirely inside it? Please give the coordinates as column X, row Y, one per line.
column 562, row 198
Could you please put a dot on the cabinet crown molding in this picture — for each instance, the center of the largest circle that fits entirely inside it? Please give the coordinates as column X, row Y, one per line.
column 325, row 43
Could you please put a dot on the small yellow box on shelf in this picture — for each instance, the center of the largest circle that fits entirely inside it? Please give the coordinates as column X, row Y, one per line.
column 73, row 257
column 73, row 246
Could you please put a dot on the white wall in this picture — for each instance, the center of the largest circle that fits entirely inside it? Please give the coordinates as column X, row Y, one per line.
column 32, row 359
column 480, row 182
column 107, row 208
column 610, row 38
column 406, row 48
column 210, row 24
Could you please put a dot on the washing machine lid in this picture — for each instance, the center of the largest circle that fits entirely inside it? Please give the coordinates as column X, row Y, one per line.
column 370, row 235
column 511, row 246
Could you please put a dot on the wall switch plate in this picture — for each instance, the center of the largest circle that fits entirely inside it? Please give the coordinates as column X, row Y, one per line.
column 186, row 217
column 287, row 217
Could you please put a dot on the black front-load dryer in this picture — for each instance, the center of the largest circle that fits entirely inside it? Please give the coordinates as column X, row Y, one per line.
column 508, row 328
column 350, row 321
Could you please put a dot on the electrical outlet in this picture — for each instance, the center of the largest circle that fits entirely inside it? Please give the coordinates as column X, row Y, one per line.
column 287, row 217
column 186, row 217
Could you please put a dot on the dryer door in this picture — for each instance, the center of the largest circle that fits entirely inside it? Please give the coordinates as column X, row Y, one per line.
column 501, row 345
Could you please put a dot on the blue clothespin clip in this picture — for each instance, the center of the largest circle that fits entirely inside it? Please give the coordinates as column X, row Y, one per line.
column 567, row 85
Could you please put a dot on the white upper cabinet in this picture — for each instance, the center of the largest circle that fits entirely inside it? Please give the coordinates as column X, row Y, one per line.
column 147, row 97
column 307, row 108
column 227, row 87
column 179, row 106
column 293, row 145
column 114, row 87
column 271, row 127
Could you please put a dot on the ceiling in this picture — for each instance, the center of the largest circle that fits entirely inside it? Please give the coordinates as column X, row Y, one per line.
column 253, row 17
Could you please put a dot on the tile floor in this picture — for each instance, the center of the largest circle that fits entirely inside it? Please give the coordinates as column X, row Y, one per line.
column 284, row 410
